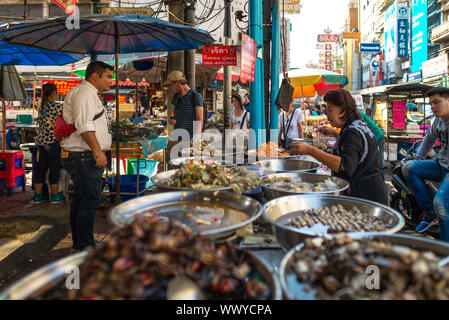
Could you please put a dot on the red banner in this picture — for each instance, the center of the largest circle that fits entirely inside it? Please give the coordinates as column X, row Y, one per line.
column 67, row 5
column 248, row 59
column 220, row 56
column 328, row 38
column 63, row 86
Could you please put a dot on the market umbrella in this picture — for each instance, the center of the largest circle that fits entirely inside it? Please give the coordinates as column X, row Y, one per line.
column 105, row 34
column 11, row 88
column 308, row 82
column 150, row 69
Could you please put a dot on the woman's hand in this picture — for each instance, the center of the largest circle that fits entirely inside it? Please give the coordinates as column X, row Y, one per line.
column 172, row 120
column 327, row 131
column 300, row 148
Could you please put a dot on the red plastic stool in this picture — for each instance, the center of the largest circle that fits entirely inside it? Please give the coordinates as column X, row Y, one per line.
column 12, row 171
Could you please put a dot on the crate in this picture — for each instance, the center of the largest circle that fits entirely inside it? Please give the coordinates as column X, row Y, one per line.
column 12, row 171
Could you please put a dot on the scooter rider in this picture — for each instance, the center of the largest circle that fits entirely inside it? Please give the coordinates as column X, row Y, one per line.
column 436, row 169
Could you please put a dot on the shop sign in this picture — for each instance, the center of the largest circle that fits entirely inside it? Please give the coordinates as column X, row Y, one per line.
column 66, row 5
column 328, row 46
column 352, row 35
column 414, row 76
column 418, row 34
column 435, row 66
column 328, row 54
column 119, row 11
column 339, row 63
column 370, row 47
column 291, row 6
column 62, row 86
column 402, row 29
column 328, row 38
column 220, row 56
column 390, row 33
column 248, row 59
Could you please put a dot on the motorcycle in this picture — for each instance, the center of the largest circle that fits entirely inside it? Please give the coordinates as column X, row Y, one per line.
column 402, row 199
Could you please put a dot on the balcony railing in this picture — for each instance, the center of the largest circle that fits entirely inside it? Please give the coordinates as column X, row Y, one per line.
column 440, row 32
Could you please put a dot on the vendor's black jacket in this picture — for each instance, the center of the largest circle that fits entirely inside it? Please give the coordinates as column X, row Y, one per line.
column 361, row 162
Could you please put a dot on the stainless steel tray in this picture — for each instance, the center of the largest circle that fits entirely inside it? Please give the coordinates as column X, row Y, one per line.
column 273, row 192
column 44, row 278
column 160, row 181
column 295, row 290
column 286, row 165
column 289, row 237
column 126, row 212
column 253, row 157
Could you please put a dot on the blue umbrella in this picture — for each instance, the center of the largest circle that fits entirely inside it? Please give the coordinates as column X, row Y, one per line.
column 97, row 34
column 15, row 54
column 105, row 34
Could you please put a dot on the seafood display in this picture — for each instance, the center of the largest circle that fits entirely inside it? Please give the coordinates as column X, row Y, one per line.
column 336, row 268
column 205, row 148
column 139, row 261
column 206, row 176
column 336, row 218
column 270, row 150
column 296, row 184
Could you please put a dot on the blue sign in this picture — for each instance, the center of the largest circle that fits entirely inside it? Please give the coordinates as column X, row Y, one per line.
column 390, row 32
column 370, row 47
column 415, row 76
column 419, row 33
column 402, row 29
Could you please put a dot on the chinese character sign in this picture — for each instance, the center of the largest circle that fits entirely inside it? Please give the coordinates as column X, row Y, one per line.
column 248, row 59
column 328, row 38
column 402, row 29
column 62, row 86
column 219, row 56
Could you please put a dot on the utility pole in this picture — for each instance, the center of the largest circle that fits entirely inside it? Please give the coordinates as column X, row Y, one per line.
column 190, row 54
column 275, row 59
column 227, row 73
column 175, row 59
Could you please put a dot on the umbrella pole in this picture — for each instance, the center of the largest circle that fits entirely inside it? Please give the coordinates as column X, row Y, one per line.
column 3, row 124
column 135, row 97
column 117, row 120
column 34, row 93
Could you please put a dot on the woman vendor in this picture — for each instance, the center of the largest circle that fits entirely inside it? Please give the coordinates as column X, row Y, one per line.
column 356, row 157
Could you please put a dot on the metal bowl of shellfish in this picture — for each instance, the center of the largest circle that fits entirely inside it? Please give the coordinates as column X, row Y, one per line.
column 38, row 282
column 283, row 213
column 294, row 289
column 254, row 157
column 212, row 214
column 287, row 165
column 284, row 184
column 178, row 162
column 161, row 181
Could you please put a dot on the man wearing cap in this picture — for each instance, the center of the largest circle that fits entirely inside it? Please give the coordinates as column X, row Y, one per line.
column 188, row 104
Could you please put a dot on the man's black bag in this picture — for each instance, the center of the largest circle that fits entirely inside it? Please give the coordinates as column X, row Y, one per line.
column 285, row 94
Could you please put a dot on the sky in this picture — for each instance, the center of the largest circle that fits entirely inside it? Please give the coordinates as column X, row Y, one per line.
column 315, row 16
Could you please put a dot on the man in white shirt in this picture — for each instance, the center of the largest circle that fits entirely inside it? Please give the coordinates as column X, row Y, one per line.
column 83, row 153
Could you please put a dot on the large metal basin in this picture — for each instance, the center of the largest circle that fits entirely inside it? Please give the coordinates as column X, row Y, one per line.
column 178, row 162
column 126, row 212
column 160, row 181
column 289, row 237
column 44, row 278
column 271, row 192
column 295, row 290
column 287, row 165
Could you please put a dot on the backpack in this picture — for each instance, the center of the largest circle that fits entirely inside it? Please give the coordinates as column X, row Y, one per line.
column 63, row 130
column 204, row 107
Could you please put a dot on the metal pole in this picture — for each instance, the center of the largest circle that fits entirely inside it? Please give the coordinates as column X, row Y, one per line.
column 24, row 9
column 227, row 73
column 3, row 124
column 117, row 119
column 190, row 54
column 256, row 87
column 275, row 59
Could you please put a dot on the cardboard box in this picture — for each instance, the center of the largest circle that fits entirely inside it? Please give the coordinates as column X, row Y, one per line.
column 392, row 153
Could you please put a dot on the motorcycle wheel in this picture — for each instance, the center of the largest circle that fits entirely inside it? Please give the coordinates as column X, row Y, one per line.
column 398, row 204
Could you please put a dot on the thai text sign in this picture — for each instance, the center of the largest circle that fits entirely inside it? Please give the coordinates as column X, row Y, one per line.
column 435, row 66
column 328, row 38
column 63, row 86
column 402, row 31
column 248, row 59
column 291, row 6
column 220, row 56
